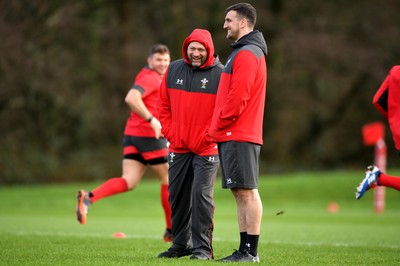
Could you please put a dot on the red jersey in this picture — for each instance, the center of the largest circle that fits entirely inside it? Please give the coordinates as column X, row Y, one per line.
column 387, row 101
column 148, row 83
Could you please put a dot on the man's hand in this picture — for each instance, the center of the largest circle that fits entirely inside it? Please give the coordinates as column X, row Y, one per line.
column 156, row 126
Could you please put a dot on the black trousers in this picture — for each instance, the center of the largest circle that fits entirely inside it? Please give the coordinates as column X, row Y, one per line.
column 191, row 189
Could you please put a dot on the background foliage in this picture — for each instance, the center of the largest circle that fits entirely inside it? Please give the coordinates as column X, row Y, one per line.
column 66, row 66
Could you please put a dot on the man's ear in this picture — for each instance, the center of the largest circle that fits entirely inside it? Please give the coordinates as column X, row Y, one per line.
column 243, row 23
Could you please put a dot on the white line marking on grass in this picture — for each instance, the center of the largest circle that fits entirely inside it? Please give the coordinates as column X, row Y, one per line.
column 333, row 244
column 40, row 233
column 277, row 242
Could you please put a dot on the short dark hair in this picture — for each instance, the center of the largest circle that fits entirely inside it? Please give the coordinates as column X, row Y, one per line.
column 245, row 10
column 158, row 49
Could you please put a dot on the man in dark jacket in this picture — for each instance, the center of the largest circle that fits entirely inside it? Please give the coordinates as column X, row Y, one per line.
column 186, row 104
column 238, row 121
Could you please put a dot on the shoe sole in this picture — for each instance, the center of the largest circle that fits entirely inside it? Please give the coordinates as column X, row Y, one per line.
column 370, row 186
column 80, row 208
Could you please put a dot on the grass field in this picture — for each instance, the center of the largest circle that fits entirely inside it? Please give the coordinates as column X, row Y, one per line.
column 38, row 226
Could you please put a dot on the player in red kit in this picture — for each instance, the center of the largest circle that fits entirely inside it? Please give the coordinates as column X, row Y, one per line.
column 387, row 101
column 143, row 142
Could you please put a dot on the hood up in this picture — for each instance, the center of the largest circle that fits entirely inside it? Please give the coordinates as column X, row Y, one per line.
column 204, row 37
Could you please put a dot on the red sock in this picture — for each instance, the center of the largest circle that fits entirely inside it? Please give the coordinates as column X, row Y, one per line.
column 166, row 206
column 389, row 181
column 112, row 186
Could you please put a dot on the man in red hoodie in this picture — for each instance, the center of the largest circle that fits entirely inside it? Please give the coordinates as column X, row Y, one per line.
column 387, row 101
column 238, row 121
column 186, row 104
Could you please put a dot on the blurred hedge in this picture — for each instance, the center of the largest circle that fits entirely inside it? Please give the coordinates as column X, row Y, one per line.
column 65, row 67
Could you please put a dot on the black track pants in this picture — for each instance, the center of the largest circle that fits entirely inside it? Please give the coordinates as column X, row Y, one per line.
column 191, row 189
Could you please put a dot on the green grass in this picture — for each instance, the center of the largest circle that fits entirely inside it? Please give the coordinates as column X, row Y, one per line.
column 38, row 226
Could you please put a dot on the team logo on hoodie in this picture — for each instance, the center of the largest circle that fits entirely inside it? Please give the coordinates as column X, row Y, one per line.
column 204, row 83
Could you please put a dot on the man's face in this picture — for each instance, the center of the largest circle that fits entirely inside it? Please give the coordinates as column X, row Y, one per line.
column 197, row 54
column 232, row 25
column 159, row 62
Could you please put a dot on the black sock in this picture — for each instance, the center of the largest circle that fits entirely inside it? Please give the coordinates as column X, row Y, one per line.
column 252, row 244
column 243, row 240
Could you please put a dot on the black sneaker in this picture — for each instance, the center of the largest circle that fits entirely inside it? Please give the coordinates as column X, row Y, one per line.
column 199, row 256
column 238, row 256
column 172, row 253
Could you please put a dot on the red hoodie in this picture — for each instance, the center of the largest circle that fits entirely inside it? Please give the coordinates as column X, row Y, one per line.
column 187, row 99
column 387, row 101
column 239, row 109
